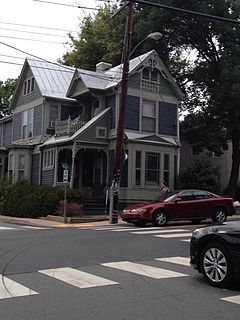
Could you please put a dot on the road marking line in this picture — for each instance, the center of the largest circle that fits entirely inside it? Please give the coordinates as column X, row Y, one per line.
column 144, row 270
column 111, row 228
column 176, row 260
column 138, row 229
column 7, row 228
column 186, row 240
column 233, row 299
column 11, row 289
column 37, row 228
column 158, row 231
column 77, row 278
column 173, row 235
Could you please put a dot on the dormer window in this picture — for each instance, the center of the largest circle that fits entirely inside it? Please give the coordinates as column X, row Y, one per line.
column 150, row 80
column 28, row 86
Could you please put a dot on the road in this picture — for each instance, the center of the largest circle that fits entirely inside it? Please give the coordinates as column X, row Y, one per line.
column 113, row 272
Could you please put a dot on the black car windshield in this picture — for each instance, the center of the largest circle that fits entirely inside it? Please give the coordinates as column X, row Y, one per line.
column 165, row 197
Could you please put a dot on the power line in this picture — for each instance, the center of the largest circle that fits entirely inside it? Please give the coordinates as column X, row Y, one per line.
column 67, row 5
column 200, row 14
column 33, row 32
column 19, row 38
column 32, row 26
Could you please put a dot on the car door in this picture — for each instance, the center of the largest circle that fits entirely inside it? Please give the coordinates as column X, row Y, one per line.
column 184, row 205
column 204, row 201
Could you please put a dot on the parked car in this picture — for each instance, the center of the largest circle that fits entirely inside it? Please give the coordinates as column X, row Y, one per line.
column 194, row 205
column 215, row 252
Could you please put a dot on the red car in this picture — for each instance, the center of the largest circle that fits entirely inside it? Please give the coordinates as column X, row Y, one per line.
column 194, row 205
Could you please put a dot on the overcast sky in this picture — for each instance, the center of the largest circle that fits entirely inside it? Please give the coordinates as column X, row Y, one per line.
column 14, row 14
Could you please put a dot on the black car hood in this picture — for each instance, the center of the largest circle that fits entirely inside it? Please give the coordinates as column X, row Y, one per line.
column 230, row 226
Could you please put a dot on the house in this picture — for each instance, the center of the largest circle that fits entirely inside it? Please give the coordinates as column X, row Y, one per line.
column 66, row 119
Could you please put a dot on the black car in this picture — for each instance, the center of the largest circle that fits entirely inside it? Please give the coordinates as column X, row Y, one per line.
column 215, row 252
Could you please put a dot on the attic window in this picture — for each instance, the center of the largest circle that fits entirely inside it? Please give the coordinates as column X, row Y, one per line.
column 150, row 74
column 150, row 80
column 28, row 86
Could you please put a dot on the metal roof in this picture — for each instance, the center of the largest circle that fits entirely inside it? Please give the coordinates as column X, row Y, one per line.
column 52, row 79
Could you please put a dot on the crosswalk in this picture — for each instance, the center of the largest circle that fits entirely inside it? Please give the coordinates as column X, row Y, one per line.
column 163, row 232
column 84, row 280
column 22, row 228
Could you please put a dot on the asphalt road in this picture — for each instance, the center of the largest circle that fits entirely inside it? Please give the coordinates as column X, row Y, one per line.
column 105, row 273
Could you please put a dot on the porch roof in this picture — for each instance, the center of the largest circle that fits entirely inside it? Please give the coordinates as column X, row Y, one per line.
column 152, row 138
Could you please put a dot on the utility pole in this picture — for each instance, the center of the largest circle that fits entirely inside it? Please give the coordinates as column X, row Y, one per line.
column 115, row 187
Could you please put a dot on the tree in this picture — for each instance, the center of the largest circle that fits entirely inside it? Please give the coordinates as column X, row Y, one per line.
column 200, row 175
column 100, row 39
column 6, row 91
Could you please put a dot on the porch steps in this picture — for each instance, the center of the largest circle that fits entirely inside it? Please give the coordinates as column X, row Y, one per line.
column 94, row 207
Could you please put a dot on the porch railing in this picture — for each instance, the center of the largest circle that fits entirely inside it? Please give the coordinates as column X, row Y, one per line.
column 68, row 127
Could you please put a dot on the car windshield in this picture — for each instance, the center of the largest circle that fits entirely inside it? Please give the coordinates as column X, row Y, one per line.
column 165, row 197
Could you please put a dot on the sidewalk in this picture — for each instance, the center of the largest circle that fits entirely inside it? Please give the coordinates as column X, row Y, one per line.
column 86, row 221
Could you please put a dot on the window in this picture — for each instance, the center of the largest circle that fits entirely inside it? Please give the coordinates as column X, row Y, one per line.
column 101, row 132
column 152, row 168
column 148, row 116
column 27, row 128
column 53, row 115
column 21, row 167
column 186, row 196
column 150, row 80
column 10, row 167
column 48, row 159
column 166, row 168
column 138, row 166
column 28, row 86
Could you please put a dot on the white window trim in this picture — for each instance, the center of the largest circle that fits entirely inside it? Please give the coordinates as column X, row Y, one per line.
column 49, row 159
column 97, row 132
column 31, row 89
column 156, row 116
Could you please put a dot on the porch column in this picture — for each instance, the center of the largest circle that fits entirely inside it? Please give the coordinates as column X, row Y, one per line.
column 73, row 164
column 56, row 167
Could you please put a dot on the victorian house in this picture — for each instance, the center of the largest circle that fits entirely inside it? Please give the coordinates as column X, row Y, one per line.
column 66, row 118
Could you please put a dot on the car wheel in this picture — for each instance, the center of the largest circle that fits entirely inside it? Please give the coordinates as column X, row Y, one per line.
column 160, row 218
column 220, row 215
column 196, row 221
column 216, row 265
column 139, row 223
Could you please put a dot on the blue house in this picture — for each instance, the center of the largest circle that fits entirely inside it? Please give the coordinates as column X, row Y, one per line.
column 66, row 118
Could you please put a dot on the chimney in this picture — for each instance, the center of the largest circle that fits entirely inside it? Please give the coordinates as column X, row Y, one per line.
column 103, row 66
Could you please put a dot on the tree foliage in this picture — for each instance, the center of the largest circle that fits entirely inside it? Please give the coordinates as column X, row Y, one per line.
column 100, row 39
column 200, row 175
column 6, row 91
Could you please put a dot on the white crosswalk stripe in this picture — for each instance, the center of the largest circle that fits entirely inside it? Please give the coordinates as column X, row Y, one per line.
column 186, row 240
column 6, row 228
column 173, row 235
column 11, row 289
column 137, row 229
column 233, row 299
column 157, row 231
column 176, row 260
column 77, row 278
column 144, row 270
column 22, row 228
column 35, row 228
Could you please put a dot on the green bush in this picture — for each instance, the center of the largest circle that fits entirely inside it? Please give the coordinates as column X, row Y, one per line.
column 201, row 175
column 24, row 200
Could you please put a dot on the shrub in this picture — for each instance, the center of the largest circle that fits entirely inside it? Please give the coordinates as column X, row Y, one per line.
column 24, row 200
column 201, row 175
column 73, row 209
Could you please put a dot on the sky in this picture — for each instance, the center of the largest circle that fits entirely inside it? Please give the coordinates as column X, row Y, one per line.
column 35, row 23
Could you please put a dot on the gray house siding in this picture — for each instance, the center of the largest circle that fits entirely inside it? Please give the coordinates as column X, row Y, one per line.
column 165, row 87
column 91, row 133
column 167, row 119
column 135, row 81
column 24, row 99
column 111, row 102
column 132, row 113
column 17, row 126
column 37, row 120
column 48, row 177
column 7, row 133
column 35, row 169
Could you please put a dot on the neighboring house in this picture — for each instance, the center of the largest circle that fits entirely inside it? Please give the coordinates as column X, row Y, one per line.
column 66, row 118
column 221, row 161
column 5, row 141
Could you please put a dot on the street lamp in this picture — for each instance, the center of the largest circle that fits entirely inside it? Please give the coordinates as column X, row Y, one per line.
column 115, row 186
